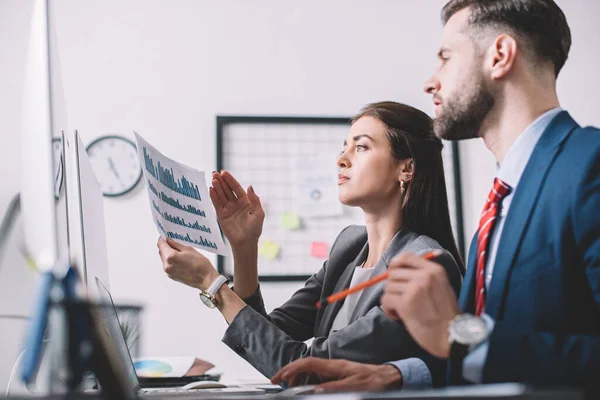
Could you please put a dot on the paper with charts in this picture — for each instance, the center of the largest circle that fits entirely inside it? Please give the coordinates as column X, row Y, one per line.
column 181, row 208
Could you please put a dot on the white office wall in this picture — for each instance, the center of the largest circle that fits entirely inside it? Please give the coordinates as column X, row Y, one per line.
column 166, row 68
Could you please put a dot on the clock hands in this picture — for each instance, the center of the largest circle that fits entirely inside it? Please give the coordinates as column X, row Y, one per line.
column 111, row 164
column 116, row 158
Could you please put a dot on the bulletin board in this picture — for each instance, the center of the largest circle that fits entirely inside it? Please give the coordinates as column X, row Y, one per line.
column 264, row 152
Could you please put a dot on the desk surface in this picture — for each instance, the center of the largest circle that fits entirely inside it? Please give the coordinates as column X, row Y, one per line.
column 495, row 392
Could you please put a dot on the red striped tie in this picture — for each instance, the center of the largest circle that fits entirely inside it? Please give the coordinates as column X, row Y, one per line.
column 486, row 227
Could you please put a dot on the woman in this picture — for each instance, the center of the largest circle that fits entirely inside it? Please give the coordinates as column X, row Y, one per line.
column 391, row 167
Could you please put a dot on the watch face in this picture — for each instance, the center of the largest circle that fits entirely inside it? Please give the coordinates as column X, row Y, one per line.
column 469, row 330
column 206, row 301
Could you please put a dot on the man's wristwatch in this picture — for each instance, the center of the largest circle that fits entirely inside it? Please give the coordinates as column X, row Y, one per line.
column 464, row 333
column 208, row 296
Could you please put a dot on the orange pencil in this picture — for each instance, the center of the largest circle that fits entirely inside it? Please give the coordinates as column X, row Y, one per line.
column 343, row 293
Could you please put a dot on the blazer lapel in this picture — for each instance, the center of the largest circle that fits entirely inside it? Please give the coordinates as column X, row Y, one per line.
column 396, row 244
column 467, row 296
column 522, row 205
column 331, row 310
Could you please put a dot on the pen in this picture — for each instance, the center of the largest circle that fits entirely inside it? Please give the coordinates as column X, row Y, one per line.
column 343, row 293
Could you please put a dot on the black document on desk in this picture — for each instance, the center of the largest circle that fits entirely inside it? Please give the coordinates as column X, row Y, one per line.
column 175, row 381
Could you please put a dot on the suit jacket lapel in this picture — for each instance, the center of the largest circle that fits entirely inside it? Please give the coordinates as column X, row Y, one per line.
column 331, row 310
column 522, row 205
column 467, row 297
column 364, row 301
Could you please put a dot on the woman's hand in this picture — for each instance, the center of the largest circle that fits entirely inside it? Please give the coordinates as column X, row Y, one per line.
column 240, row 213
column 184, row 264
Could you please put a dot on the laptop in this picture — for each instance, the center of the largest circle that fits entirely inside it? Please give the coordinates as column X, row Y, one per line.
column 114, row 343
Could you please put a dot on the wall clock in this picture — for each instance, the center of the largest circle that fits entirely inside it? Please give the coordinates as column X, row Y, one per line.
column 116, row 164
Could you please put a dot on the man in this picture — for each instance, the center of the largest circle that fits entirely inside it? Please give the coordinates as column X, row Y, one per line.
column 529, row 309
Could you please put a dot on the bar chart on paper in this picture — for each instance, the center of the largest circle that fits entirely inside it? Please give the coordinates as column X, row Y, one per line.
column 166, row 177
column 174, row 202
column 179, row 201
column 187, row 238
column 180, row 221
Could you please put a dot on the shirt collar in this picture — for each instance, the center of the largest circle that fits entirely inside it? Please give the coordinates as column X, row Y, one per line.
column 519, row 153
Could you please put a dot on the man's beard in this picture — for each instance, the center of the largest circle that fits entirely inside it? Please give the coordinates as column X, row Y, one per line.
column 463, row 116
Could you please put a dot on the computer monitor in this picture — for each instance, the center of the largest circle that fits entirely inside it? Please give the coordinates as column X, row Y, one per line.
column 43, row 217
column 87, row 233
column 43, row 199
column 37, row 239
column 79, row 208
column 37, row 180
column 111, row 328
column 35, row 235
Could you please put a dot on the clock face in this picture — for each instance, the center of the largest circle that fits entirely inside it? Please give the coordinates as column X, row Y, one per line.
column 116, row 164
column 58, row 166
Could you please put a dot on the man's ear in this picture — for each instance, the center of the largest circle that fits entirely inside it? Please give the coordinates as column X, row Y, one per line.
column 407, row 170
column 502, row 56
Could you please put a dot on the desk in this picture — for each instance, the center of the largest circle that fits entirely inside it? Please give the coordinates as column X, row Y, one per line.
column 512, row 391
column 482, row 392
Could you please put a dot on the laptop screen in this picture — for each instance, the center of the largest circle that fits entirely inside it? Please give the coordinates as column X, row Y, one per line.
column 111, row 329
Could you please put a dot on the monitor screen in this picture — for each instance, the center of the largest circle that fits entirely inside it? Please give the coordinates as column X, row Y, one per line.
column 110, row 328
column 87, row 233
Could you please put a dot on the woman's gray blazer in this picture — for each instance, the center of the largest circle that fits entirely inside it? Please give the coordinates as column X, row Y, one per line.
column 268, row 342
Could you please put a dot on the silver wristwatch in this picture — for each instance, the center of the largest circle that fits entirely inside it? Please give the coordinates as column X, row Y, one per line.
column 464, row 333
column 208, row 296
column 467, row 330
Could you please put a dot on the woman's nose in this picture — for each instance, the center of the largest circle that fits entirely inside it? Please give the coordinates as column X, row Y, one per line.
column 343, row 161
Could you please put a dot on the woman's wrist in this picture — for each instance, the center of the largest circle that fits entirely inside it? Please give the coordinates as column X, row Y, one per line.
column 206, row 280
column 247, row 247
column 245, row 269
column 245, row 262
column 229, row 303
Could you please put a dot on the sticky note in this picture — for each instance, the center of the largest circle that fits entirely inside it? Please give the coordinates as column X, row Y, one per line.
column 319, row 250
column 268, row 249
column 290, row 220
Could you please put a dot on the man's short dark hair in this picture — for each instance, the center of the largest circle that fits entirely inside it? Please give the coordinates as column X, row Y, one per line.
column 541, row 23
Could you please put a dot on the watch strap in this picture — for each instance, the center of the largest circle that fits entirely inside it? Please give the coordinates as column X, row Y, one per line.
column 458, row 352
column 216, row 285
column 461, row 345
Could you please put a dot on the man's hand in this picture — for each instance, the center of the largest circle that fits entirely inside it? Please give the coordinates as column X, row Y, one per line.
column 184, row 264
column 240, row 213
column 418, row 292
column 340, row 375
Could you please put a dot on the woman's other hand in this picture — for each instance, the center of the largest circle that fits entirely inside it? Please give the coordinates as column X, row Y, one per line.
column 240, row 213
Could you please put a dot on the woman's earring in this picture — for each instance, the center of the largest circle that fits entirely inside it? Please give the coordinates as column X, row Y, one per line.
column 402, row 188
